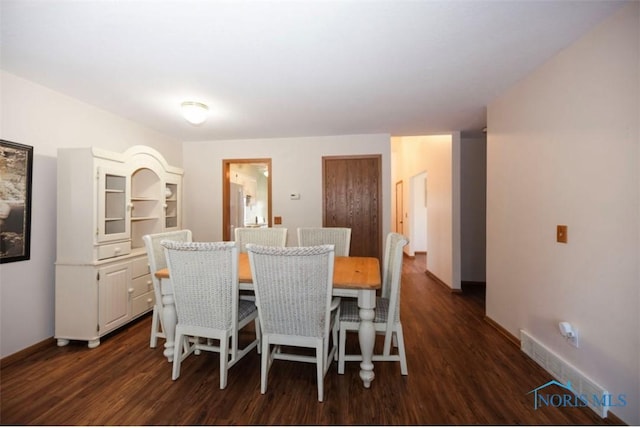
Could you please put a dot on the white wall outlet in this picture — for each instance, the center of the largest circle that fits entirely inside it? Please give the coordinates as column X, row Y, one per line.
column 569, row 332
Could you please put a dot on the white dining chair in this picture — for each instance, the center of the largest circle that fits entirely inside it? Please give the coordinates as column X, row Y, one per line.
column 338, row 236
column 204, row 276
column 269, row 236
column 387, row 312
column 157, row 261
column 293, row 292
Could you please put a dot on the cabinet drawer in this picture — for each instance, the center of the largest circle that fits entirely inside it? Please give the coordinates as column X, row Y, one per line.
column 140, row 267
column 141, row 285
column 142, row 303
column 114, row 250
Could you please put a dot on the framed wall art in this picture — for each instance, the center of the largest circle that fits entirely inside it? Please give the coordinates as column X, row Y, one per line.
column 16, row 164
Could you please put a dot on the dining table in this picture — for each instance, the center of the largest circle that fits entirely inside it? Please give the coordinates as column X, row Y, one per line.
column 355, row 277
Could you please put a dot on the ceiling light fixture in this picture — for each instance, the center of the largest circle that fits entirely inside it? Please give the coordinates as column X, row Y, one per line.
column 195, row 112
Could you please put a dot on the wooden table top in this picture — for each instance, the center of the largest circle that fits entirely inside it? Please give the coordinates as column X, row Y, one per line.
column 348, row 272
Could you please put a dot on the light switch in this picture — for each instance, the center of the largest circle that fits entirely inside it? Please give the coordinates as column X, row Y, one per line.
column 561, row 233
column 277, row 220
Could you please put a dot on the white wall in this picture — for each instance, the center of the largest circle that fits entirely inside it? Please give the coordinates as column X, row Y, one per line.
column 296, row 168
column 434, row 154
column 563, row 148
column 419, row 211
column 36, row 116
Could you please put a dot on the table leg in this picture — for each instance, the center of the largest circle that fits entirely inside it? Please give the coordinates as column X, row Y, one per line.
column 169, row 318
column 367, row 334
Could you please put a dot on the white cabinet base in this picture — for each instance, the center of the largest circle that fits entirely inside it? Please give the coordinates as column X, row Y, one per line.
column 95, row 299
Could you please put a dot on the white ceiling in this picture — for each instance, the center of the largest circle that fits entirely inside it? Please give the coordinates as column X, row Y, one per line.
column 290, row 68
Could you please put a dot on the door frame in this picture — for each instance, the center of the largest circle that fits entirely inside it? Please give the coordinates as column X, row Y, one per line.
column 400, row 207
column 226, row 191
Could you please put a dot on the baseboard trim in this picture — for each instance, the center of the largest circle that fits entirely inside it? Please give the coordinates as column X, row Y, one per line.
column 415, row 253
column 20, row 355
column 503, row 331
column 615, row 420
column 441, row 282
column 474, row 283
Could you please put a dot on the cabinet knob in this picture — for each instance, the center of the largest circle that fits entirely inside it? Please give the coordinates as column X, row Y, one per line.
column 130, row 290
column 117, row 250
column 149, row 300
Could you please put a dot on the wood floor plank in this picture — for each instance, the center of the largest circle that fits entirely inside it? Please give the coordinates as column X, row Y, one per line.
column 461, row 371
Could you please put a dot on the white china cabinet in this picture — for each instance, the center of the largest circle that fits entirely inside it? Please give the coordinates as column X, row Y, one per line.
column 106, row 202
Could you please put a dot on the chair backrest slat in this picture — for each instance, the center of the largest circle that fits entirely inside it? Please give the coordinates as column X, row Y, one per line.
column 268, row 236
column 391, row 273
column 338, row 236
column 155, row 251
column 204, row 276
column 293, row 288
column 156, row 255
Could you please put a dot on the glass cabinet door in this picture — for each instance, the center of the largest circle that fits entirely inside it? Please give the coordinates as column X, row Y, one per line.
column 171, row 206
column 113, row 205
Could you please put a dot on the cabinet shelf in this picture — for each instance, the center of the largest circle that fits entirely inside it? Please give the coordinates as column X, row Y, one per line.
column 143, row 218
column 143, row 199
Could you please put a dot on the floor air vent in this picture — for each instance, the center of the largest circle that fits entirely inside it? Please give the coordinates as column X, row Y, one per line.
column 596, row 397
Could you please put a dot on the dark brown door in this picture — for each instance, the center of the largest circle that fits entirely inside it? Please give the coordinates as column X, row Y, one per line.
column 352, row 194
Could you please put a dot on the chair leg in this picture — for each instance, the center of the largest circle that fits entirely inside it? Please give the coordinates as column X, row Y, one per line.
column 335, row 332
column 320, row 363
column 341, row 352
column 403, row 357
column 177, row 358
column 258, row 335
column 155, row 321
column 330, row 353
column 224, row 361
column 265, row 365
column 188, row 346
column 196, row 342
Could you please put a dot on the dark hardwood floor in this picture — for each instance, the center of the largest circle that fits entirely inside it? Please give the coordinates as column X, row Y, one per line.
column 461, row 371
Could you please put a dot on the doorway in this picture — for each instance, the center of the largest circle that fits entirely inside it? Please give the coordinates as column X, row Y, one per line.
column 419, row 213
column 246, row 194
column 352, row 194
